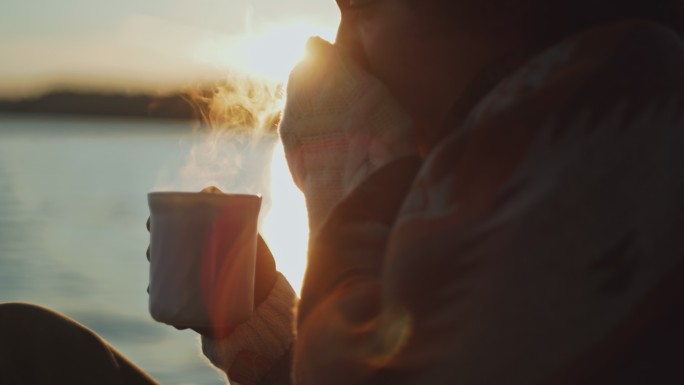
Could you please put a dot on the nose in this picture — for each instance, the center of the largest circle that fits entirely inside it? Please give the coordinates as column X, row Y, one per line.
column 348, row 38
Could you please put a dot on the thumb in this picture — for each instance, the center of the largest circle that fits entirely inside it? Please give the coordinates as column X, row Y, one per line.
column 212, row 190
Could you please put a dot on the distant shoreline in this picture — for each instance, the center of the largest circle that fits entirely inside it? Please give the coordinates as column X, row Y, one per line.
column 67, row 103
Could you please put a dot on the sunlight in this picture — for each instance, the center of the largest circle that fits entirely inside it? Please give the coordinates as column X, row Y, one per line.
column 269, row 53
column 273, row 53
column 285, row 227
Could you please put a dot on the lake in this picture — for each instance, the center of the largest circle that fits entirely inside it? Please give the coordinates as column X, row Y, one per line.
column 72, row 222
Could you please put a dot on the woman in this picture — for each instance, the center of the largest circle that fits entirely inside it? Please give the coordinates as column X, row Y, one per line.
column 494, row 195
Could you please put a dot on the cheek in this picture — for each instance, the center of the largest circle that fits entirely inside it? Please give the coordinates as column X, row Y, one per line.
column 403, row 54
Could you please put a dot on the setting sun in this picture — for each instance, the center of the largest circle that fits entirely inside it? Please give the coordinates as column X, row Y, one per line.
column 269, row 53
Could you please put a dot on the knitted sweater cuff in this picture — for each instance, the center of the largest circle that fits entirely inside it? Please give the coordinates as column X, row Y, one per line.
column 256, row 345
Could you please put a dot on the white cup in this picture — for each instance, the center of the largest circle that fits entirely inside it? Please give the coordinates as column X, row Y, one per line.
column 202, row 258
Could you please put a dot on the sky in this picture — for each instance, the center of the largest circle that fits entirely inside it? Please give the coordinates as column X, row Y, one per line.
column 151, row 45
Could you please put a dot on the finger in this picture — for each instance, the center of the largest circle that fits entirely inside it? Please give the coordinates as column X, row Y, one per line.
column 212, row 190
column 264, row 256
column 148, row 253
column 148, row 224
column 266, row 274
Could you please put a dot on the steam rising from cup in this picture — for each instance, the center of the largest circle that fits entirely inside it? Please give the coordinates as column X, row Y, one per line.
column 236, row 148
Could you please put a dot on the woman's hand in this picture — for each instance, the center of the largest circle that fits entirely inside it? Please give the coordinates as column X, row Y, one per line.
column 265, row 274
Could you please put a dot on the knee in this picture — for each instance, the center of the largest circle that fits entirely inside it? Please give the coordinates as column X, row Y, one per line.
column 19, row 320
column 19, row 313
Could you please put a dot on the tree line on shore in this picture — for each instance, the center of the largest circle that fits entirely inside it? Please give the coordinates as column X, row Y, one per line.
column 179, row 106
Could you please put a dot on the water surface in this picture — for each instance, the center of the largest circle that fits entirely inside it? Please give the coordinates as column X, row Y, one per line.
column 72, row 228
